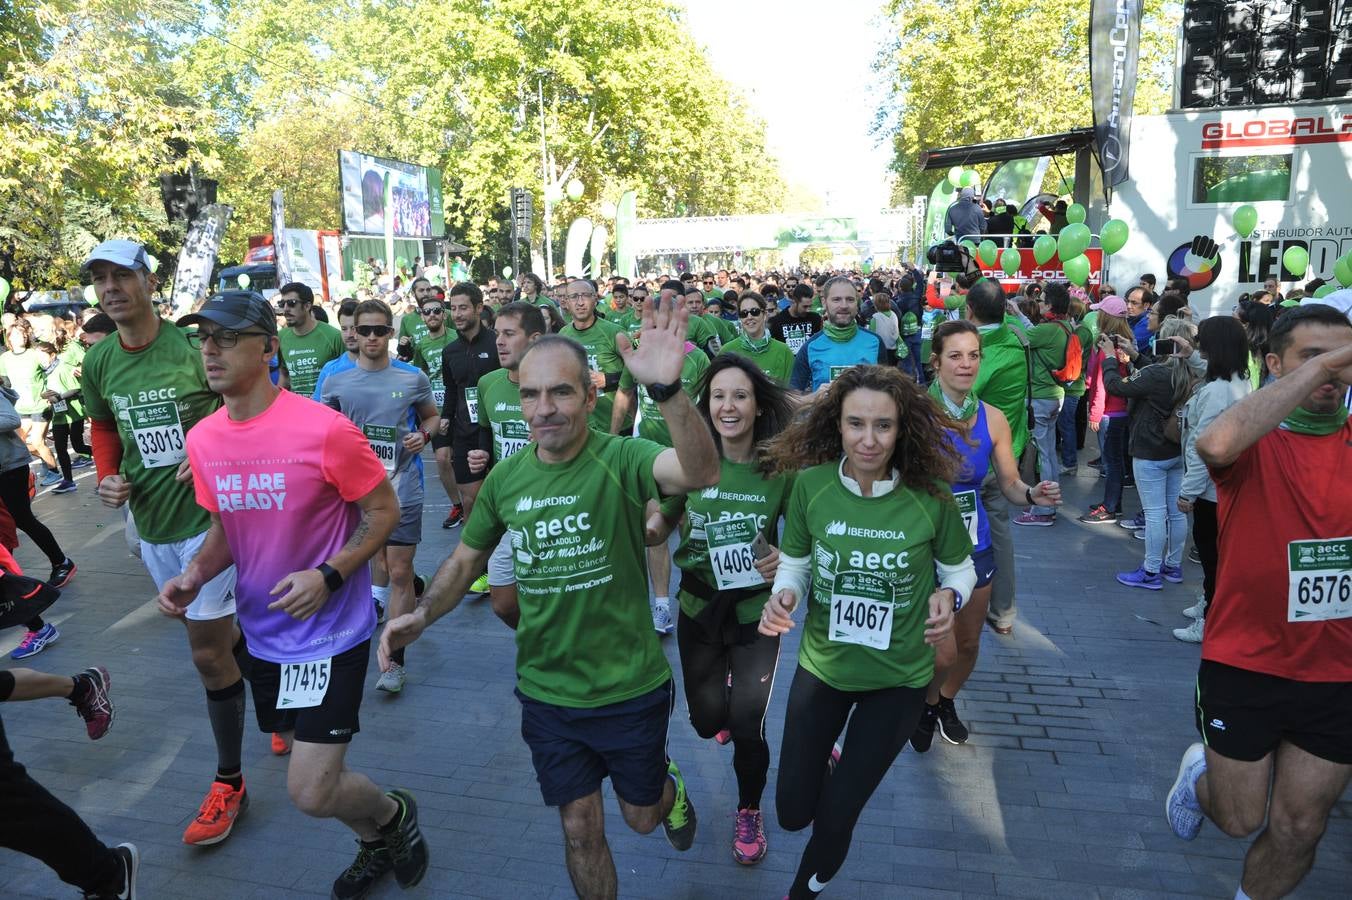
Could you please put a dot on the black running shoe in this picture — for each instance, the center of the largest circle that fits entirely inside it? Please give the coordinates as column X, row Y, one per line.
column 418, row 586
column 924, row 732
column 408, row 850
column 456, row 516
column 371, row 864
column 950, row 726
column 62, row 573
column 129, row 861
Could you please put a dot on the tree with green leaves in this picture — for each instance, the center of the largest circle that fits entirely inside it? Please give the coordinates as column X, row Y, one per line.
column 968, row 71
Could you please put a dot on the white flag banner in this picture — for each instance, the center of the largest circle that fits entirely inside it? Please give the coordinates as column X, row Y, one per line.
column 192, row 278
column 281, row 252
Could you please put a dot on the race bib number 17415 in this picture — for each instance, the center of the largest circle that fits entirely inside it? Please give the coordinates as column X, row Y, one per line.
column 304, row 685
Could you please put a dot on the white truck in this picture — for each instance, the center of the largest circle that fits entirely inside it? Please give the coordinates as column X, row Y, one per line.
column 1191, row 170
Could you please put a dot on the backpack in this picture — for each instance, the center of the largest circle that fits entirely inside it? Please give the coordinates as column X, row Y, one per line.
column 1172, row 425
column 1073, row 368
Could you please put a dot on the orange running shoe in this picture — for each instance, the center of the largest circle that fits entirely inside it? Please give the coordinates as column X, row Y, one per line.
column 279, row 745
column 220, row 810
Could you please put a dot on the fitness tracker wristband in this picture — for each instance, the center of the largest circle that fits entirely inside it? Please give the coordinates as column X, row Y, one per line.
column 333, row 579
column 663, row 392
column 1028, row 492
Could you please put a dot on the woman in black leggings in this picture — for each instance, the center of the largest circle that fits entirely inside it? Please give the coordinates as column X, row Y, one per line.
column 868, row 524
column 727, row 560
column 14, row 458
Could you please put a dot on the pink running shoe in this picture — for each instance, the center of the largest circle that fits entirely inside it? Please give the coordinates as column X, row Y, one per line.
column 95, row 707
column 748, row 844
column 723, row 737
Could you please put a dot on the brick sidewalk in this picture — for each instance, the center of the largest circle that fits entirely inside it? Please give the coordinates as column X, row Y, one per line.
column 1078, row 721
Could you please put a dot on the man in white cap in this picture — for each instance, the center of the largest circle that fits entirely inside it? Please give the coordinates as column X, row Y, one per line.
column 144, row 391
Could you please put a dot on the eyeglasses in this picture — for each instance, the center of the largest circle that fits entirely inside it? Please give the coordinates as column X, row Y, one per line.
column 224, row 338
column 572, row 297
column 375, row 330
column 289, row 304
column 748, row 313
column 433, row 310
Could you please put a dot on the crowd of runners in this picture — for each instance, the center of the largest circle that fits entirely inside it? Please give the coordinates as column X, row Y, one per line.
column 834, row 453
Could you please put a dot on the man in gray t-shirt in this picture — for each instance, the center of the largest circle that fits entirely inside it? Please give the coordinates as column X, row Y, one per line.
column 377, row 395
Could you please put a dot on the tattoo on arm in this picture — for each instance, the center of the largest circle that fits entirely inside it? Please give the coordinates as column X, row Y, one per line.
column 360, row 534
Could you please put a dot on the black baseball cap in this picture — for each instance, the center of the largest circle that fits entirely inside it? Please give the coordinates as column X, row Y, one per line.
column 236, row 310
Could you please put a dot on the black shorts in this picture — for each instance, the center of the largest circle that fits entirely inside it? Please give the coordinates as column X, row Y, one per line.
column 575, row 749
column 1244, row 715
column 333, row 721
column 440, row 440
column 460, row 464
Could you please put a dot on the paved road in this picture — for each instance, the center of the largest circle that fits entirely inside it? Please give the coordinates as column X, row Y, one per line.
column 1078, row 721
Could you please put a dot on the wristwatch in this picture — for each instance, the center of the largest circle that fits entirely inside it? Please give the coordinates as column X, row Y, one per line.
column 663, row 392
column 333, row 579
column 1028, row 492
column 957, row 599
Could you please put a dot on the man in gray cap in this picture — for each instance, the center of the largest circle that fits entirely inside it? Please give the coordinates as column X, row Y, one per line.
column 964, row 218
column 144, row 391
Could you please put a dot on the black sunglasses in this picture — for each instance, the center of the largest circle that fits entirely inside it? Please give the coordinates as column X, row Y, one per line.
column 748, row 313
column 433, row 310
column 288, row 304
column 375, row 330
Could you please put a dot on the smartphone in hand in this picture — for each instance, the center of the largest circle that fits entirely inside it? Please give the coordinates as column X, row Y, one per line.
column 1166, row 347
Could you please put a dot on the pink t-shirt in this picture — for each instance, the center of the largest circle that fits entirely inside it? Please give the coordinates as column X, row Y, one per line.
column 285, row 484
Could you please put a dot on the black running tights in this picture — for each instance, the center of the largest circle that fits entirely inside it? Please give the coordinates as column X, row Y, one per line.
column 831, row 801
column 14, row 494
column 705, row 666
column 74, row 433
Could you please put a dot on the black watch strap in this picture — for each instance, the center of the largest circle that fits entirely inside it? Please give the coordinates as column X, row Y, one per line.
column 663, row 392
column 333, row 579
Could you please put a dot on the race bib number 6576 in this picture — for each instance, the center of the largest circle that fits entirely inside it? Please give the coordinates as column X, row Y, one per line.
column 1319, row 580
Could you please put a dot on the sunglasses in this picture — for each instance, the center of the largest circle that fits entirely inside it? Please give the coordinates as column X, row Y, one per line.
column 748, row 313
column 375, row 330
column 289, row 304
column 224, row 338
column 433, row 310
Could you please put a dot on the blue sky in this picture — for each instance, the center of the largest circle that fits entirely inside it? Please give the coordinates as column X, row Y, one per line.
column 806, row 69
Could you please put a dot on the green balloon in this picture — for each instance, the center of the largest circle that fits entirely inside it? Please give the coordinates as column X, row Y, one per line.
column 91, row 296
column 1075, row 213
column 506, row 271
column 1296, row 259
column 4, row 289
column 1245, row 220
column 1010, row 261
column 1342, row 270
column 1073, row 241
column 1044, row 248
column 152, row 264
column 244, row 280
column 1324, row 291
column 970, row 245
column 970, row 178
column 986, row 252
column 401, row 262
column 955, row 176
column 1076, row 269
column 1114, row 236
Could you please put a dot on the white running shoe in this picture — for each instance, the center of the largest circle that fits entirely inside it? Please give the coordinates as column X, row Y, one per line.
column 1196, row 611
column 1192, row 634
column 1180, row 806
column 391, row 682
column 662, row 621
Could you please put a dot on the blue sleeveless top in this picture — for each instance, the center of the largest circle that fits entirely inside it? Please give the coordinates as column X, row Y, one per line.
column 976, row 461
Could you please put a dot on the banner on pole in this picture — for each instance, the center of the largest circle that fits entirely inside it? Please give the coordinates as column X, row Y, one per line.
column 1114, row 50
column 280, row 251
column 192, row 278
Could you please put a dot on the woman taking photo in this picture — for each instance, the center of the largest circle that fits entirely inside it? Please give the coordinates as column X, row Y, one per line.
column 1157, row 456
column 1108, row 412
column 1224, row 345
column 727, row 561
column 956, row 360
column 868, row 523
column 773, row 357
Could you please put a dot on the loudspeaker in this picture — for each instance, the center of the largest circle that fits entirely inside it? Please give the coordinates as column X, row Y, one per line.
column 1307, row 82
column 1314, row 15
column 1202, row 21
column 1235, row 89
column 1339, row 81
column 1276, row 14
column 1274, row 49
column 1237, row 51
column 1271, row 87
column 1200, row 90
column 1241, row 17
column 1309, row 48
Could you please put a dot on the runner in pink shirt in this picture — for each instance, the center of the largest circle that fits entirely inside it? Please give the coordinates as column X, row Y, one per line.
column 299, row 504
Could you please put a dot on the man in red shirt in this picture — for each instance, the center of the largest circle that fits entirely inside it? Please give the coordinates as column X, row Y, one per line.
column 1274, row 691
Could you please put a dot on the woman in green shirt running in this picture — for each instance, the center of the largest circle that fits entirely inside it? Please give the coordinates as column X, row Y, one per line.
column 727, row 561
column 868, row 525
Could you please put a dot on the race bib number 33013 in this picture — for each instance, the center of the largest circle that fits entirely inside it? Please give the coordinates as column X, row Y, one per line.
column 1319, row 580
column 158, row 432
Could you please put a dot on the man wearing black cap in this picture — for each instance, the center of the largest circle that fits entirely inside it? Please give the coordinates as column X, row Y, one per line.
column 144, row 392
column 272, row 463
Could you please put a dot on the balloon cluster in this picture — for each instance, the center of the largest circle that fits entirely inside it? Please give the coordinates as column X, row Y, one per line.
column 961, row 178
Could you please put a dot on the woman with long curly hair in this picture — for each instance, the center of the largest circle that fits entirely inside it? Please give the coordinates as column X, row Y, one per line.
column 868, row 523
column 728, row 559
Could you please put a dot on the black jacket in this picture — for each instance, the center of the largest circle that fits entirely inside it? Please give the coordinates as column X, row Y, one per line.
column 463, row 363
column 1151, row 395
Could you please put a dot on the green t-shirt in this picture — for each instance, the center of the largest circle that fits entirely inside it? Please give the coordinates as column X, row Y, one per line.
column 586, row 635
column 412, row 326
column 602, row 356
column 305, row 355
column 1002, row 381
column 725, row 330
column 742, row 503
column 872, row 575
column 626, row 319
column 155, row 394
column 1048, row 342
column 62, row 379
column 651, row 425
column 23, row 371
column 74, row 354
column 427, row 356
column 699, row 332
column 775, row 360
column 500, row 414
